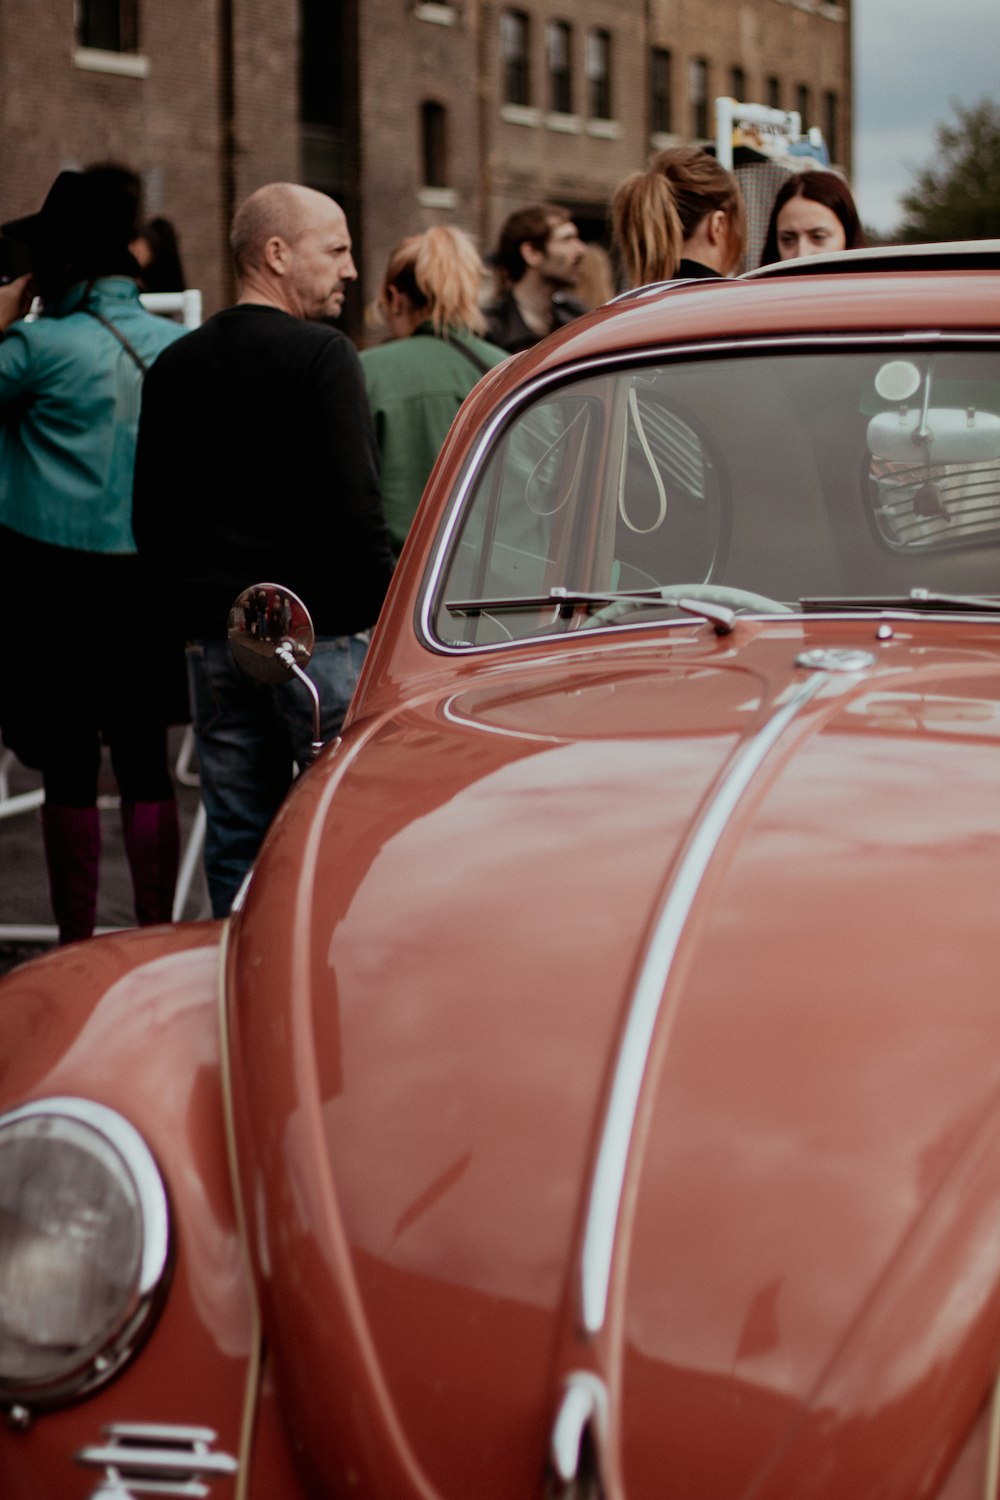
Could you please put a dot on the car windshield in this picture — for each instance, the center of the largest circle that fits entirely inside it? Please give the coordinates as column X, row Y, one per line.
column 837, row 474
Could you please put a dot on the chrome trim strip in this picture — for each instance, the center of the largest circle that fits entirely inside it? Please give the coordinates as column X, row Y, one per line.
column 162, row 1434
column 156, row 1459
column 629, row 626
column 583, row 1409
column 992, row 1485
column 610, row 361
column 608, row 1180
column 255, row 1357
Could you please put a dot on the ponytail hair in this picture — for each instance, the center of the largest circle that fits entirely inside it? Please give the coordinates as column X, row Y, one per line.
column 441, row 273
column 654, row 212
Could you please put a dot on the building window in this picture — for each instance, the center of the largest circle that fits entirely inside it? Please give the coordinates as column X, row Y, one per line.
column 322, row 84
column 434, row 144
column 559, row 36
column 599, row 74
column 831, row 123
column 108, row 25
column 698, row 93
column 774, row 92
column 803, row 105
column 661, row 104
column 514, row 39
column 738, row 85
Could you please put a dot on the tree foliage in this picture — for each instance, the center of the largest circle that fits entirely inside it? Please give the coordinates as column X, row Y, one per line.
column 957, row 197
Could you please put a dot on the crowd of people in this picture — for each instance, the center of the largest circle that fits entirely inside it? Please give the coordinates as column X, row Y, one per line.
column 140, row 461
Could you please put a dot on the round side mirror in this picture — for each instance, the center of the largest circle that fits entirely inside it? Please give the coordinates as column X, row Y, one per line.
column 270, row 632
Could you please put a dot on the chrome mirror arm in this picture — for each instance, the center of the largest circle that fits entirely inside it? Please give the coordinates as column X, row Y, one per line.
column 285, row 652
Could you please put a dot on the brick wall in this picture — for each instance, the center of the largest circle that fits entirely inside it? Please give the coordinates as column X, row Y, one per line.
column 204, row 134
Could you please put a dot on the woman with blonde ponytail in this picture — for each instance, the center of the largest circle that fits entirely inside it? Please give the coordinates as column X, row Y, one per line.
column 683, row 217
column 429, row 301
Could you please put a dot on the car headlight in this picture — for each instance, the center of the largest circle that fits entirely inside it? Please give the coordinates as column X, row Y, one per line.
column 84, row 1248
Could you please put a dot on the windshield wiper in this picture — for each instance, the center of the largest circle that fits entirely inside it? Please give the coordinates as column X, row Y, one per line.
column 916, row 601
column 559, row 598
column 718, row 603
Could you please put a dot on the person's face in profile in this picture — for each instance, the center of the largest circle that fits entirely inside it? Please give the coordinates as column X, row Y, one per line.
column 321, row 263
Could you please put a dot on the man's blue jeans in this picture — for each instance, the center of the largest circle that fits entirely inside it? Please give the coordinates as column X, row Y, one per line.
column 249, row 736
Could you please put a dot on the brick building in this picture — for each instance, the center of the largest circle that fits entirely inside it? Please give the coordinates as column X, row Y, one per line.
column 410, row 113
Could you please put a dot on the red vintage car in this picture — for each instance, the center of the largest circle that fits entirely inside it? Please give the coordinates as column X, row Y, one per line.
column 596, row 1092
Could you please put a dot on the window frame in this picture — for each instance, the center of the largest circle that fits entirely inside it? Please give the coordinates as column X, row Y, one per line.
column 484, row 446
column 559, row 65
column 599, row 62
column 110, row 26
column 831, row 121
column 804, row 105
column 698, row 97
column 661, row 94
column 434, row 144
column 515, row 52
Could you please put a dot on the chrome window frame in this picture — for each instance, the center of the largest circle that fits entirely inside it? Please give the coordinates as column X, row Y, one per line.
column 491, row 433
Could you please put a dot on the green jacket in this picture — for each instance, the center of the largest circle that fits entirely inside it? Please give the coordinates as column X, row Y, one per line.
column 415, row 386
column 69, row 413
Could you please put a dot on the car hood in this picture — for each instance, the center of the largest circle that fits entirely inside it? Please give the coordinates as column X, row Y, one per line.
column 436, row 968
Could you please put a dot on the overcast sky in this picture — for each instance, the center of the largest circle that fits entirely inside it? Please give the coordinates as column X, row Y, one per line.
column 911, row 59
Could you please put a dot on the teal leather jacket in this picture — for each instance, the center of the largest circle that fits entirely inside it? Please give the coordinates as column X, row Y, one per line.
column 69, row 413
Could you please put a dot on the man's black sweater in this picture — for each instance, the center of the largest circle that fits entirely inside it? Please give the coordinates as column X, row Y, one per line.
column 257, row 461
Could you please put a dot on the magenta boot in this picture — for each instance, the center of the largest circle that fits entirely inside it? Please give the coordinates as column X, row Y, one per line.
column 152, row 846
column 72, row 837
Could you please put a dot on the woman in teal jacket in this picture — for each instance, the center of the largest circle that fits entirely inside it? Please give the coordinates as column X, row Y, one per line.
column 70, row 387
column 417, row 381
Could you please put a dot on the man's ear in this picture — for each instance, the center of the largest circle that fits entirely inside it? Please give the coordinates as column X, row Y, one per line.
column 530, row 254
column 276, row 255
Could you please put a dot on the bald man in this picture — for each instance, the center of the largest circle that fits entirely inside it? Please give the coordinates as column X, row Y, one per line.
column 257, row 461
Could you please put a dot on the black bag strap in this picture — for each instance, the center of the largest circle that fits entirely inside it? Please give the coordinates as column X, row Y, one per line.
column 454, row 343
column 132, row 353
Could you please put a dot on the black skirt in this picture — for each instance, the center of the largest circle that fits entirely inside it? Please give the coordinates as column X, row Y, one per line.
column 87, row 641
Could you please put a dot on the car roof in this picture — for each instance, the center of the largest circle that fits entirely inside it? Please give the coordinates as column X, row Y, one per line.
column 949, row 255
column 889, row 299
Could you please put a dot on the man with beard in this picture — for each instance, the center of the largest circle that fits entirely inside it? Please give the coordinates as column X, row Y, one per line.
column 538, row 256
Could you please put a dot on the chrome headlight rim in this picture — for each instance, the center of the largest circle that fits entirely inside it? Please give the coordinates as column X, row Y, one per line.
column 148, row 1289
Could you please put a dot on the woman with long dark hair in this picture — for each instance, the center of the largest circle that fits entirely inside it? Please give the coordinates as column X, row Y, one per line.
column 813, row 214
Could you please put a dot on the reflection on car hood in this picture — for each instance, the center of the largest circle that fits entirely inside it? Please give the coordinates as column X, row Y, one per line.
column 459, row 902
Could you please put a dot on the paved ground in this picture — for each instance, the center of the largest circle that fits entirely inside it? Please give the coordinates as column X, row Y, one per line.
column 24, row 895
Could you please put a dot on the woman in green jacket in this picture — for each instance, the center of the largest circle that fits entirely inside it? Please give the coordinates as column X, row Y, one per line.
column 416, row 382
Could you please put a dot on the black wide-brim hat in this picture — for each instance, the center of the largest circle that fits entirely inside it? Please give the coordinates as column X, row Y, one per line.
column 84, row 213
